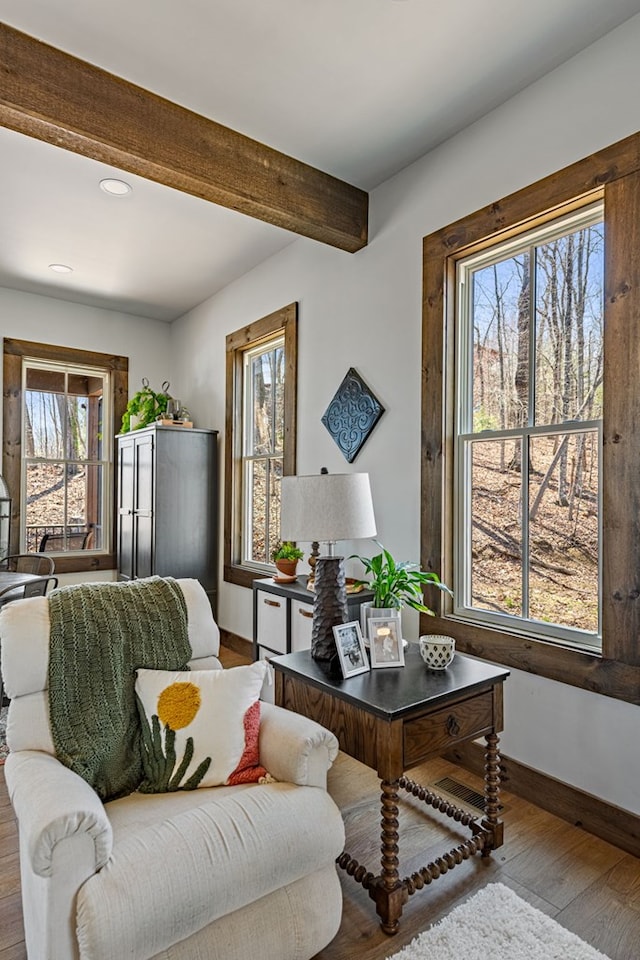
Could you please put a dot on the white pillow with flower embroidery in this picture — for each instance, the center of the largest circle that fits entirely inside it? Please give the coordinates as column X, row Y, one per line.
column 200, row 728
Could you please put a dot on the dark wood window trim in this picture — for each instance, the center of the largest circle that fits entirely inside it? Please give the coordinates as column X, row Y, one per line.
column 612, row 173
column 281, row 321
column 14, row 351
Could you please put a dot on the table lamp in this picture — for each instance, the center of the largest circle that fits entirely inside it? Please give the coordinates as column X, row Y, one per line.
column 327, row 507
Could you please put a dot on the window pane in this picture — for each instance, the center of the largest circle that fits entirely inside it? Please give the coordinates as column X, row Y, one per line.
column 496, row 534
column 279, row 400
column 44, row 424
column 275, row 476
column 65, row 503
column 261, row 413
column 45, row 507
column 51, row 381
column 563, row 524
column 256, row 510
column 500, row 317
column 569, row 327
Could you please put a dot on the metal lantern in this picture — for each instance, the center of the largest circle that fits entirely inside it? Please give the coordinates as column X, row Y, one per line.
column 5, row 518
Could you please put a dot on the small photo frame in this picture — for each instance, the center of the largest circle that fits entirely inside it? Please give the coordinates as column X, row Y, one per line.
column 385, row 642
column 351, row 649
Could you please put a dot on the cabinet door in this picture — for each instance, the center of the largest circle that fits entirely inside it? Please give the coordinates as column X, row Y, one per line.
column 126, row 484
column 143, row 507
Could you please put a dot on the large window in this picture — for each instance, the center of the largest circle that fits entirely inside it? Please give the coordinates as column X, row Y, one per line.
column 529, row 371
column 62, row 409
column 530, row 405
column 260, row 440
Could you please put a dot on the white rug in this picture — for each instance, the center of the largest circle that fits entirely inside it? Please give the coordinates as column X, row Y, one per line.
column 496, row 924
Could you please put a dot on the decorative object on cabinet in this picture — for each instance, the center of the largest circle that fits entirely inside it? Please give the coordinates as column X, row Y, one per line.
column 285, row 555
column 327, row 507
column 351, row 650
column 167, row 505
column 145, row 407
column 352, row 414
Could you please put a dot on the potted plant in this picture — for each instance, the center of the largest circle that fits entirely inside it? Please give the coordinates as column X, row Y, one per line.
column 285, row 555
column 144, row 408
column 395, row 584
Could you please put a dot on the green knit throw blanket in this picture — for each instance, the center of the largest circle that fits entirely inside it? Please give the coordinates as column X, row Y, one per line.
column 100, row 634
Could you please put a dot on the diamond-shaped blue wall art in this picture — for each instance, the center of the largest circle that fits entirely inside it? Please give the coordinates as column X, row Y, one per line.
column 352, row 414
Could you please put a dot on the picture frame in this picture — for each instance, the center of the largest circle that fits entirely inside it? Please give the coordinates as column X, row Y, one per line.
column 385, row 642
column 351, row 649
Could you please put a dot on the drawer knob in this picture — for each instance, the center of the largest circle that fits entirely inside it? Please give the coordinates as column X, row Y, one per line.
column 306, row 613
column 272, row 603
column 453, row 727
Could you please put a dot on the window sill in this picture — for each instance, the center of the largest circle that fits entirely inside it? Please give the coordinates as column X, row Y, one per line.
column 242, row 576
column 79, row 563
column 578, row 668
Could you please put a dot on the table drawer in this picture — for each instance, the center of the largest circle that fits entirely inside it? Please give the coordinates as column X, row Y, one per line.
column 436, row 733
column 272, row 621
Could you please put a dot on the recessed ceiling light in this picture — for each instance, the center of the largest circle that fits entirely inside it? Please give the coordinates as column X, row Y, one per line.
column 117, row 188
column 60, row 268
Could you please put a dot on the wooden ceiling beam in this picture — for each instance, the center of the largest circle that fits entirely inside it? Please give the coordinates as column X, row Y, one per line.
column 51, row 96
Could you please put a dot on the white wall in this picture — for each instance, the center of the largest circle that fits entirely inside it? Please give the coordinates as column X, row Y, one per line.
column 363, row 310
column 26, row 316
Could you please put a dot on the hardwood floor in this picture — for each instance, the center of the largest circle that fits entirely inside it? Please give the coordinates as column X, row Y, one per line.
column 587, row 885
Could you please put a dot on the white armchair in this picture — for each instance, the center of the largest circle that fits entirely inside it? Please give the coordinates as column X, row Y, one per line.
column 216, row 873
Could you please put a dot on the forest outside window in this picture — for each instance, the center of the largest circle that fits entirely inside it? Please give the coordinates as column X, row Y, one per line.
column 260, row 440
column 528, row 438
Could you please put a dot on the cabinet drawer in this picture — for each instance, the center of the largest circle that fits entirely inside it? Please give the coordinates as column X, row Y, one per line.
column 301, row 625
column 436, row 733
column 272, row 621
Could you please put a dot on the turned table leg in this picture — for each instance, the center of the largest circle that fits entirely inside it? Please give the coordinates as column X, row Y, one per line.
column 389, row 892
column 490, row 822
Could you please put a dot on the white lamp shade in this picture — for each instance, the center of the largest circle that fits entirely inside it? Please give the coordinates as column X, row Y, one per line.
column 327, row 507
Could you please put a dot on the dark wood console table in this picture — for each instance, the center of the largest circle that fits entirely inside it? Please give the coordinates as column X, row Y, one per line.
column 393, row 719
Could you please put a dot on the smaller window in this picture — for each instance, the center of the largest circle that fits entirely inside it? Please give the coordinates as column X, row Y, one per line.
column 60, row 412
column 65, row 507
column 260, row 440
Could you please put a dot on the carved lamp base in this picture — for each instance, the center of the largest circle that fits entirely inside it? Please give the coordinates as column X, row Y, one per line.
column 329, row 606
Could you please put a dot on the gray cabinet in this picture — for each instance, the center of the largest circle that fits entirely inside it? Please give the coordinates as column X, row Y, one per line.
column 167, row 505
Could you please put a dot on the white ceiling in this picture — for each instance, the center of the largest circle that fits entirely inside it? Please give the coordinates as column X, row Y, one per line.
column 358, row 88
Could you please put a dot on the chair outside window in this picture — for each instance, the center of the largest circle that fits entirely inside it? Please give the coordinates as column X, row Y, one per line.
column 82, row 540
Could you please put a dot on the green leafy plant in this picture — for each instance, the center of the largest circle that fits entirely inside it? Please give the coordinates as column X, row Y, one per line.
column 146, row 405
column 397, row 584
column 286, row 551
